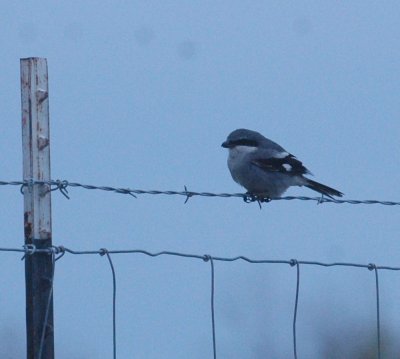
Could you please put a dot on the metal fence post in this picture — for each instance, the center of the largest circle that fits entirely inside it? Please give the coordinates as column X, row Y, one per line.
column 37, row 206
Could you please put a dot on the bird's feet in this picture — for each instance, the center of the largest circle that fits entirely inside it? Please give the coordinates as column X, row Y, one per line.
column 252, row 197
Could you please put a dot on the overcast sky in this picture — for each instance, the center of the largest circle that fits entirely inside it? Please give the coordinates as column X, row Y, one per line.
column 142, row 94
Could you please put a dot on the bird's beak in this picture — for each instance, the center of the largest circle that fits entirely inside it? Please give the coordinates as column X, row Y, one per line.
column 226, row 144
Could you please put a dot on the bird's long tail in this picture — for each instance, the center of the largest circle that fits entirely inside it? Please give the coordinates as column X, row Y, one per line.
column 321, row 188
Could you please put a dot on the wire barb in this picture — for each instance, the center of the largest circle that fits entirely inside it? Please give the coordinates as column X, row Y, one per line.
column 62, row 187
column 321, row 199
column 188, row 195
column 29, row 249
column 59, row 250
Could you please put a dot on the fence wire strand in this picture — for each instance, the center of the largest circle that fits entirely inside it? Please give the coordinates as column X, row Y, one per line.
column 61, row 250
column 114, row 281
column 210, row 259
column 63, row 185
column 378, row 320
column 296, row 302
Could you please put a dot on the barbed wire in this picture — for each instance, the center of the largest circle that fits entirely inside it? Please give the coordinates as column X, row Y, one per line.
column 63, row 185
column 59, row 251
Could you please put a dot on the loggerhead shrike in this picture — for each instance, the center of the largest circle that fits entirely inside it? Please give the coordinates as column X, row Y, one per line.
column 264, row 168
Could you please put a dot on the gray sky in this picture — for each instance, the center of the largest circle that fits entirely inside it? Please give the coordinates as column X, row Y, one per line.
column 142, row 94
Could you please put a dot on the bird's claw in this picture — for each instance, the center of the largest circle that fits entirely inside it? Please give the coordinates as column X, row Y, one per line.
column 251, row 197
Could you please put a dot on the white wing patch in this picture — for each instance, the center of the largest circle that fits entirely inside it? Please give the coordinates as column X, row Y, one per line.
column 281, row 154
column 287, row 167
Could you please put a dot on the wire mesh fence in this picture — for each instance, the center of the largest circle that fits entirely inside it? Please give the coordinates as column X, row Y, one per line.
column 57, row 252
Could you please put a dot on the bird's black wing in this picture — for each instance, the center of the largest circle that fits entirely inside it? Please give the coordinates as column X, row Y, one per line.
column 288, row 164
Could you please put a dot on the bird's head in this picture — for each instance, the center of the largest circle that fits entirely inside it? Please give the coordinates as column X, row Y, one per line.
column 243, row 138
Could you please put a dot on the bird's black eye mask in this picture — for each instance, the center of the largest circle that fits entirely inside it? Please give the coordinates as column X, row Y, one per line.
column 244, row 142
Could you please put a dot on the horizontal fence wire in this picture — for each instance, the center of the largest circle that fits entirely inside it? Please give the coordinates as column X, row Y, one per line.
column 63, row 185
column 58, row 252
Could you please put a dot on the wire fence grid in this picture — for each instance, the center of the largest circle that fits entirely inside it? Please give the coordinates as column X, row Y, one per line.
column 57, row 252
column 63, row 185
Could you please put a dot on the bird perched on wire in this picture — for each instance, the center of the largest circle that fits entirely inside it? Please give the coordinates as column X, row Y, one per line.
column 266, row 169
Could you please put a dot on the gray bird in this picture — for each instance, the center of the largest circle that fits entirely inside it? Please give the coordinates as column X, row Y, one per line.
column 266, row 169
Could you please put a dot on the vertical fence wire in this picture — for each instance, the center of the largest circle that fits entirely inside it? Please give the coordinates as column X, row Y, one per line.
column 104, row 251
column 378, row 320
column 296, row 302
column 210, row 258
